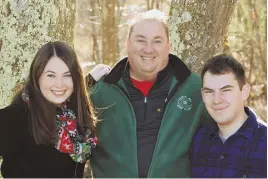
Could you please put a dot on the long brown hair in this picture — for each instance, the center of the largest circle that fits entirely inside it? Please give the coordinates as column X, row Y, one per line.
column 42, row 112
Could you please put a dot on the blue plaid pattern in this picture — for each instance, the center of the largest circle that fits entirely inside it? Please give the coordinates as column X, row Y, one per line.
column 244, row 154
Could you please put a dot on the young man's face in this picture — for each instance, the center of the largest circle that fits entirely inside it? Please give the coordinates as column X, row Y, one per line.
column 148, row 49
column 223, row 97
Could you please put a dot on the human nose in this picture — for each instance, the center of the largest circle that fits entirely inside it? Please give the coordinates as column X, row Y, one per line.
column 217, row 98
column 148, row 48
column 59, row 82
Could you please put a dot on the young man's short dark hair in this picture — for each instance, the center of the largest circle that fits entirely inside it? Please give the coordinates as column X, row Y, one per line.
column 222, row 64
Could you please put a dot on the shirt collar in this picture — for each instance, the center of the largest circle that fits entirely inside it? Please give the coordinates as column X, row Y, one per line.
column 246, row 130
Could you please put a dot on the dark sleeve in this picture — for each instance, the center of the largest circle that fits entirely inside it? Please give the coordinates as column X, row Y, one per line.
column 13, row 127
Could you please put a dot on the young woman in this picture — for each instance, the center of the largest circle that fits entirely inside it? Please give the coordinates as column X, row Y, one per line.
column 49, row 129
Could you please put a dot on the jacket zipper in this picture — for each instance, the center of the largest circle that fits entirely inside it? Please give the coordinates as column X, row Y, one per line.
column 171, row 94
column 156, row 145
column 167, row 101
column 145, row 107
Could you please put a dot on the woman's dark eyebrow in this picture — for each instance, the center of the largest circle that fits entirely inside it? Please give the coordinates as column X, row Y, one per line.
column 49, row 71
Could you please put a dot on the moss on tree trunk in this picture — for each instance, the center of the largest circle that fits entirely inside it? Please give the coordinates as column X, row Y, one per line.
column 198, row 29
column 25, row 26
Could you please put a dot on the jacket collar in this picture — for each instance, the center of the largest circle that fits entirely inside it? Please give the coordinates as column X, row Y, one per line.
column 180, row 69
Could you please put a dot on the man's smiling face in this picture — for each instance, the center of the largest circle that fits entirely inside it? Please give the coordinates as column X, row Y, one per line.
column 148, row 49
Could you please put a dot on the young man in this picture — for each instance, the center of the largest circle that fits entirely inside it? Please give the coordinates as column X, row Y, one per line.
column 149, row 108
column 236, row 144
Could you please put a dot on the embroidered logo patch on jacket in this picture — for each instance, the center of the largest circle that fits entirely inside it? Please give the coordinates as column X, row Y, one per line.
column 184, row 103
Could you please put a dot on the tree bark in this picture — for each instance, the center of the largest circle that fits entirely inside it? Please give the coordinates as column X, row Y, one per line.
column 198, row 29
column 25, row 26
column 95, row 34
column 109, row 32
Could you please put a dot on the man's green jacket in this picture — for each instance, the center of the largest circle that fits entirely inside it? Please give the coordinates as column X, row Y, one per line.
column 116, row 151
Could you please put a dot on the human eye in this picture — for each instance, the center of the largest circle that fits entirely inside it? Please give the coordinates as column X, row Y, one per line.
column 140, row 40
column 226, row 90
column 68, row 75
column 158, row 41
column 208, row 91
column 50, row 75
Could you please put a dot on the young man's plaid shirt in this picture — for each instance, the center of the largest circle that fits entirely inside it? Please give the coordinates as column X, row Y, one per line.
column 244, row 154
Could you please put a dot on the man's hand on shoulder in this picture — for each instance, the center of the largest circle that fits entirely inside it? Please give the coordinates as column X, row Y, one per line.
column 99, row 71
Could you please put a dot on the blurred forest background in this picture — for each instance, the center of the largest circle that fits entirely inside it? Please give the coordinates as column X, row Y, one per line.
column 97, row 29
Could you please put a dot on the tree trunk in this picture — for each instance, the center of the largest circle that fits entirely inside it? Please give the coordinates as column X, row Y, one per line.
column 198, row 29
column 95, row 34
column 109, row 32
column 25, row 26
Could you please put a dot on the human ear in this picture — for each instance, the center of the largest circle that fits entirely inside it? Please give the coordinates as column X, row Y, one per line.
column 245, row 91
column 127, row 45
